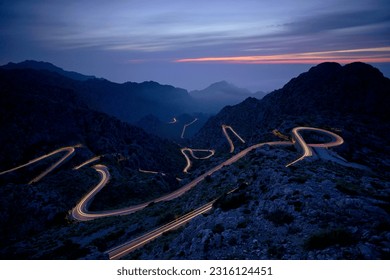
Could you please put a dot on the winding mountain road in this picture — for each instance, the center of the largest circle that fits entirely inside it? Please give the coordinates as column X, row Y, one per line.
column 87, row 162
column 224, row 128
column 69, row 153
column 305, row 148
column 81, row 213
column 191, row 151
column 151, row 172
column 185, row 127
column 173, row 121
column 126, row 248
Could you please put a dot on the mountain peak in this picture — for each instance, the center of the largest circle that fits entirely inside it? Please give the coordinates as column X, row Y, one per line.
column 42, row 65
column 222, row 83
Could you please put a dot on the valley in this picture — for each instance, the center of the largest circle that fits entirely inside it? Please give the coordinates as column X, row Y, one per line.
column 106, row 189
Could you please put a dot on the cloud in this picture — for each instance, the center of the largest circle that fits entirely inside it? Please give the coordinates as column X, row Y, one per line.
column 336, row 21
column 209, row 29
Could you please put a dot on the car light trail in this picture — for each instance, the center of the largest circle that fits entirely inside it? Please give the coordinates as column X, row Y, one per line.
column 185, row 126
column 224, row 128
column 191, row 151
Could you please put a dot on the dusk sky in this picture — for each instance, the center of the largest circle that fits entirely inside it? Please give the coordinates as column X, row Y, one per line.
column 259, row 45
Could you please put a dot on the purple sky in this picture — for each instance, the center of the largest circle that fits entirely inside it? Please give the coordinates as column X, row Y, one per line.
column 255, row 44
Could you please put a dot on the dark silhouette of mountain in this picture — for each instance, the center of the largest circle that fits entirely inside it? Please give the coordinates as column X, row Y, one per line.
column 128, row 101
column 207, row 101
column 353, row 98
column 40, row 65
column 220, row 94
column 133, row 101
column 136, row 102
column 39, row 111
column 355, row 88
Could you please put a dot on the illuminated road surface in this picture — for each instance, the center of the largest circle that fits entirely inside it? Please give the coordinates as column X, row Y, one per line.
column 191, row 151
column 305, row 148
column 186, row 125
column 150, row 172
column 132, row 245
column 224, row 127
column 174, row 120
column 69, row 150
column 81, row 213
column 87, row 162
column 126, row 248
column 277, row 133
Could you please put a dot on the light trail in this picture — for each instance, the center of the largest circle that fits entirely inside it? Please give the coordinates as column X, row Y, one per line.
column 185, row 126
column 87, row 162
column 126, row 248
column 224, row 127
column 191, row 151
column 150, row 172
column 69, row 150
column 307, row 151
column 277, row 133
column 174, row 120
column 81, row 213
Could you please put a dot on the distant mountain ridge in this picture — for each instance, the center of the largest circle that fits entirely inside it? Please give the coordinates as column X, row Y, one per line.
column 128, row 101
column 140, row 103
column 132, row 101
column 220, row 94
column 41, row 65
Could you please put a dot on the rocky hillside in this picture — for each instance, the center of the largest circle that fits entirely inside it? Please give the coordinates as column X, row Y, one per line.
column 318, row 210
column 39, row 113
column 350, row 99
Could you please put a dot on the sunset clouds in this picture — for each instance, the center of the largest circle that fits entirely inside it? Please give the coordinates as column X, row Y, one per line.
column 124, row 40
column 371, row 55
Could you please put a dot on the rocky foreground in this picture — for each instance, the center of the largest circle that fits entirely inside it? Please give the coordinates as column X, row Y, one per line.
column 316, row 210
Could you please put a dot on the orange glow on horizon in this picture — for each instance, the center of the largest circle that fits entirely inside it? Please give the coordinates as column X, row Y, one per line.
column 342, row 56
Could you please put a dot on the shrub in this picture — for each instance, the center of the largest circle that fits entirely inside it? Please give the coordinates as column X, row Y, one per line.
column 297, row 206
column 327, row 238
column 300, row 179
column 218, row 228
column 279, row 217
column 231, row 201
column 347, row 188
column 242, row 224
column 276, row 252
